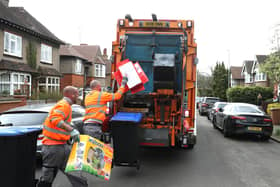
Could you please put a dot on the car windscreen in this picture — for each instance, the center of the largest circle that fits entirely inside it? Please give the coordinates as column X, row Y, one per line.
column 212, row 100
column 247, row 109
column 23, row 119
column 221, row 105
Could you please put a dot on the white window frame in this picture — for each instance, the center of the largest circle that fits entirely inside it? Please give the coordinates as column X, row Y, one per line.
column 99, row 70
column 7, row 83
column 260, row 76
column 46, row 53
column 78, row 66
column 103, row 71
column 18, row 82
column 10, row 38
column 248, row 78
column 55, row 85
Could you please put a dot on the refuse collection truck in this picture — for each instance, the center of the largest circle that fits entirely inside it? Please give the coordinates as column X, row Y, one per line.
column 166, row 51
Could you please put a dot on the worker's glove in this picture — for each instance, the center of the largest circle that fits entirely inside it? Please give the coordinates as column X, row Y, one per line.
column 124, row 81
column 75, row 135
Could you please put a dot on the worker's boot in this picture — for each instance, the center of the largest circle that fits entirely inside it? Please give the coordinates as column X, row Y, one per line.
column 43, row 184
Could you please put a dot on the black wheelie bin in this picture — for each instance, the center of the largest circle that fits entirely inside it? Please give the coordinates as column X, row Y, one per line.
column 18, row 156
column 124, row 127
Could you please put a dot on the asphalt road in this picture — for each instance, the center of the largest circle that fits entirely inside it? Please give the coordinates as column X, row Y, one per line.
column 215, row 161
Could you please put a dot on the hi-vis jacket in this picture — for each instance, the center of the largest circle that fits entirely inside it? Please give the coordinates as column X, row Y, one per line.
column 52, row 131
column 95, row 103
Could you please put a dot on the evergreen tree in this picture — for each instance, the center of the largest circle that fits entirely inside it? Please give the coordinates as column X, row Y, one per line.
column 220, row 80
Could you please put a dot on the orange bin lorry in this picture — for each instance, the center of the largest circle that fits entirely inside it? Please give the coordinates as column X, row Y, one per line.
column 166, row 51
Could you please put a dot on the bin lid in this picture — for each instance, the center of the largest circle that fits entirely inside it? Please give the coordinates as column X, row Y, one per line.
column 127, row 116
column 17, row 131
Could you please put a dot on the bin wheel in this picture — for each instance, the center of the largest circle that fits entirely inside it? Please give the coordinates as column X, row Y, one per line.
column 138, row 165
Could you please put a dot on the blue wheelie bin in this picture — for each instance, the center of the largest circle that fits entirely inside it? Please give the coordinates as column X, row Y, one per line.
column 18, row 156
column 124, row 127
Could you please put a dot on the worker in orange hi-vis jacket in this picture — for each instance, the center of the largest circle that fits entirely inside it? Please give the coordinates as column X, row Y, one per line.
column 96, row 104
column 57, row 131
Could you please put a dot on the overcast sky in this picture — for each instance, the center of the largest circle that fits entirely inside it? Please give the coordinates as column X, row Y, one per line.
column 225, row 30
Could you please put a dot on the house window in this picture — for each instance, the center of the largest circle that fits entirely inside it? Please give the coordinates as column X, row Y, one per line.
column 46, row 53
column 21, row 84
column 49, row 84
column 78, row 66
column 4, row 83
column 248, row 78
column 260, row 76
column 12, row 44
column 15, row 83
column 100, row 70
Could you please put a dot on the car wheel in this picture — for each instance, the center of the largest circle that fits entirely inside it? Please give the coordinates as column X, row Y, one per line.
column 265, row 138
column 226, row 131
column 214, row 123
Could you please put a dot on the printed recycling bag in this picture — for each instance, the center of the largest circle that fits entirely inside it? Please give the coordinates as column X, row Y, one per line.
column 92, row 156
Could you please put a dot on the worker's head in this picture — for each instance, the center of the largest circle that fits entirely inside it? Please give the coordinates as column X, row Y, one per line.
column 71, row 92
column 95, row 85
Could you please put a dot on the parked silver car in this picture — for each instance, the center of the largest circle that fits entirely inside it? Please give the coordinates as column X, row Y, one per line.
column 35, row 115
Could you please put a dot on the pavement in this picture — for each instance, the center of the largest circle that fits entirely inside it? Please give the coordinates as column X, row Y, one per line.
column 276, row 133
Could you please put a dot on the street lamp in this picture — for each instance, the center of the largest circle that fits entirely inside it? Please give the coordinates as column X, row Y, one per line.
column 228, row 68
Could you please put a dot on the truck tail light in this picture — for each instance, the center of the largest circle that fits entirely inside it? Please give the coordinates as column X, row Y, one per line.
column 187, row 114
column 121, row 22
column 189, row 24
column 107, row 111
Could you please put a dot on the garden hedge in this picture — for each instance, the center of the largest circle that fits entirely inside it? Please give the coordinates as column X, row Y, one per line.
column 248, row 94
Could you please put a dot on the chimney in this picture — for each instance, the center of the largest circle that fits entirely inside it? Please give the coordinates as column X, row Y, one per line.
column 105, row 53
column 5, row 2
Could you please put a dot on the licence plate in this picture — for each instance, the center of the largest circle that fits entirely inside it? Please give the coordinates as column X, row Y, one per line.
column 255, row 128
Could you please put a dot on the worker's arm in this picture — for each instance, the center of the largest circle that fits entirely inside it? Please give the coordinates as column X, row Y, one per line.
column 58, row 118
column 117, row 95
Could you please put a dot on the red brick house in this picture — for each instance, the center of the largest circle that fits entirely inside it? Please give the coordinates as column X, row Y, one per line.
column 29, row 53
column 252, row 74
column 74, row 67
column 247, row 72
column 260, row 78
column 236, row 79
column 97, row 69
